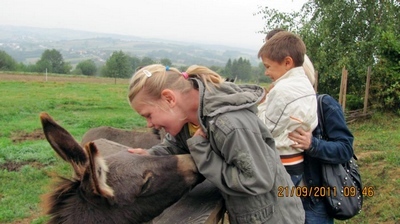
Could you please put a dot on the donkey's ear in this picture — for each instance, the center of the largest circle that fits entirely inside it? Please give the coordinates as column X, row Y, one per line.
column 97, row 173
column 147, row 182
column 64, row 144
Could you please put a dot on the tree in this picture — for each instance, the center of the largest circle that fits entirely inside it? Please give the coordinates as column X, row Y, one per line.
column 216, row 69
column 386, row 78
column 117, row 66
column 243, row 71
column 228, row 69
column 53, row 62
column 238, row 69
column 259, row 74
column 146, row 61
column 26, row 68
column 166, row 62
column 87, row 67
column 7, row 63
column 340, row 33
column 183, row 68
column 134, row 62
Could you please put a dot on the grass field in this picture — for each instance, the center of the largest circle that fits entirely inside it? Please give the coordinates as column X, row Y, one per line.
column 28, row 164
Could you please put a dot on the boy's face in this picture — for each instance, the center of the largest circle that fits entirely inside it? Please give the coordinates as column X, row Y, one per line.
column 275, row 70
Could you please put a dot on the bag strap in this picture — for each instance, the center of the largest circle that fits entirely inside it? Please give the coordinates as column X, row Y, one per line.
column 321, row 119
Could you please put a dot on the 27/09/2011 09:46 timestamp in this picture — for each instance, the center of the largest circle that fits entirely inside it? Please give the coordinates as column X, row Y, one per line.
column 304, row 191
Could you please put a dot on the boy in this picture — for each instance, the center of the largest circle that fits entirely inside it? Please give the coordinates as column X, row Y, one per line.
column 291, row 103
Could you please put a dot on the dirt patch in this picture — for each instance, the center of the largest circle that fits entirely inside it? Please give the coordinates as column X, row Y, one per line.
column 367, row 154
column 60, row 78
column 13, row 166
column 29, row 219
column 21, row 136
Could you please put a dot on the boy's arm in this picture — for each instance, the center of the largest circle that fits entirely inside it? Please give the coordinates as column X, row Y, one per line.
column 283, row 113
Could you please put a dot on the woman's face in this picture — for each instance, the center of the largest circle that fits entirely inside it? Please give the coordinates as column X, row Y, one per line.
column 160, row 114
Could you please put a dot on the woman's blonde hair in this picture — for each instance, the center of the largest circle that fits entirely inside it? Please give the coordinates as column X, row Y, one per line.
column 153, row 79
column 309, row 69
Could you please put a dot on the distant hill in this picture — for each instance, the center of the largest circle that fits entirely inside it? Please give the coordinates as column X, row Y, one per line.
column 26, row 44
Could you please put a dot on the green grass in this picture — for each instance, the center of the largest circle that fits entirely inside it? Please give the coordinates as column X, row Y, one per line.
column 377, row 144
column 27, row 167
column 76, row 105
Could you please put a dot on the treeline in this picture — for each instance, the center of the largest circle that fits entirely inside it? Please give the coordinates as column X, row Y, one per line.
column 123, row 65
column 361, row 34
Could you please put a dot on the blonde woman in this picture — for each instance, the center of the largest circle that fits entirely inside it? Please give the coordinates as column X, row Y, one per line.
column 216, row 122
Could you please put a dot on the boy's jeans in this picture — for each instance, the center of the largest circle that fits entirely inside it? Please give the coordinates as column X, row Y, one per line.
column 316, row 213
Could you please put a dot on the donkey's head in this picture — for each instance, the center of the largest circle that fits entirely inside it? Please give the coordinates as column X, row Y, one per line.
column 118, row 188
column 143, row 138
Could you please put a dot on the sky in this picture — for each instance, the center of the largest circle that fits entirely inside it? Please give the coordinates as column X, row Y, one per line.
column 227, row 22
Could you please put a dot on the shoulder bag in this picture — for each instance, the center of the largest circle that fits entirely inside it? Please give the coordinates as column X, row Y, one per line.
column 342, row 182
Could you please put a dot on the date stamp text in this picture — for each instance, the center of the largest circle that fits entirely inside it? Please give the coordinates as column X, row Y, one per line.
column 303, row 191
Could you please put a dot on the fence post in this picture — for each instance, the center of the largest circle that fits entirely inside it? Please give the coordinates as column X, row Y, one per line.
column 343, row 89
column 367, row 90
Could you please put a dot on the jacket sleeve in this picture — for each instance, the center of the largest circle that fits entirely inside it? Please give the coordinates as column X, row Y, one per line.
column 338, row 147
column 170, row 145
column 238, row 161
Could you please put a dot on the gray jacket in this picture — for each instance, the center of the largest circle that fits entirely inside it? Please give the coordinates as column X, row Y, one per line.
column 239, row 156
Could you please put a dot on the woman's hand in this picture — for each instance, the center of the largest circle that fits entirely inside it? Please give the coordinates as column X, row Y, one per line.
column 139, row 151
column 302, row 138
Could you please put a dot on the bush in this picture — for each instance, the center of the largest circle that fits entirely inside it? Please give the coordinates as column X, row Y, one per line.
column 354, row 102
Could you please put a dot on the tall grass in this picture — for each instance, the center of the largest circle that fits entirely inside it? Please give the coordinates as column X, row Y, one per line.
column 27, row 167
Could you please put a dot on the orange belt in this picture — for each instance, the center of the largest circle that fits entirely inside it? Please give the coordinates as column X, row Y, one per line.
column 292, row 159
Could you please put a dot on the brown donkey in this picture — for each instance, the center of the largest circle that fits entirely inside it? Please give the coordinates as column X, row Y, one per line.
column 144, row 138
column 114, row 186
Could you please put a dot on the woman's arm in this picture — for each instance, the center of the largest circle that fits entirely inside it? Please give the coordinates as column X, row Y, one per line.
column 338, row 146
column 170, row 145
column 236, row 158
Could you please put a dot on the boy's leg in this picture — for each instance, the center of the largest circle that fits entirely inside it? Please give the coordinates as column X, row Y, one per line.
column 316, row 213
column 296, row 179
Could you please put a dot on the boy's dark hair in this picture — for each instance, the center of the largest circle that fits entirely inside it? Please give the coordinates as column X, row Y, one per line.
column 273, row 32
column 284, row 44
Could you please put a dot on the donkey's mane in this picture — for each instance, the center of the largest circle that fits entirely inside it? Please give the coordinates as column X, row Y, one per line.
column 53, row 201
